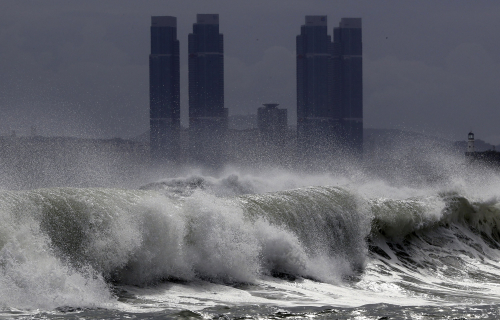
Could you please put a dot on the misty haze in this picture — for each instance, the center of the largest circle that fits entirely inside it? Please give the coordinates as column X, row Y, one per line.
column 258, row 160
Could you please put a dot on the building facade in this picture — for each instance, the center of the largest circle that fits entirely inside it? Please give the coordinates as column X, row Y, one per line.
column 348, row 82
column 329, row 89
column 164, row 90
column 316, row 118
column 272, row 123
column 208, row 119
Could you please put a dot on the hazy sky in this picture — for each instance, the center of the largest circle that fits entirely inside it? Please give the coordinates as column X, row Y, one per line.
column 80, row 68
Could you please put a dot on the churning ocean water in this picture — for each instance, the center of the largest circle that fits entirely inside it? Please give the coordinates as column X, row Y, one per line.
column 248, row 245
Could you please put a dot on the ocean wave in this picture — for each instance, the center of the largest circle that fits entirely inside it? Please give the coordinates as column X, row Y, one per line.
column 67, row 246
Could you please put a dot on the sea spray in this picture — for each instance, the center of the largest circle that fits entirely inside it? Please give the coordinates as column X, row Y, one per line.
column 31, row 274
column 395, row 218
column 79, row 247
column 330, row 223
column 160, row 252
column 140, row 237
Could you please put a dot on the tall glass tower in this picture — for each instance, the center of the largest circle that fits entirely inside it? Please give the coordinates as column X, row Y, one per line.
column 316, row 118
column 208, row 119
column 164, row 95
column 348, row 79
column 329, row 90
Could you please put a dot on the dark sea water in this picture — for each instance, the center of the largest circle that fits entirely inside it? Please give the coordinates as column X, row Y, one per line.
column 256, row 245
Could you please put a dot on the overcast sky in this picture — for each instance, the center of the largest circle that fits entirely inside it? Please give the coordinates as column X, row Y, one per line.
column 80, row 68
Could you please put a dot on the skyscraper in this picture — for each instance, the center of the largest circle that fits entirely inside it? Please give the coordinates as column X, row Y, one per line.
column 348, row 82
column 329, row 89
column 207, row 115
column 272, row 124
column 316, row 117
column 164, row 95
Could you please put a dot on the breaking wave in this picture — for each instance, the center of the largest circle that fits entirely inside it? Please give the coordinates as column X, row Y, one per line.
column 71, row 247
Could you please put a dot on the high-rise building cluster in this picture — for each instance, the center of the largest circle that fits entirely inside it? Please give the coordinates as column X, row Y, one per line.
column 329, row 92
column 329, row 88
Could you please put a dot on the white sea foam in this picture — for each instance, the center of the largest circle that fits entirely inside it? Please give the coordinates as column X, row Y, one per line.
column 32, row 276
column 78, row 238
column 234, row 233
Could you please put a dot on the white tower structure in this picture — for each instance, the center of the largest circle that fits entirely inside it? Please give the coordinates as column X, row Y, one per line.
column 470, row 143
